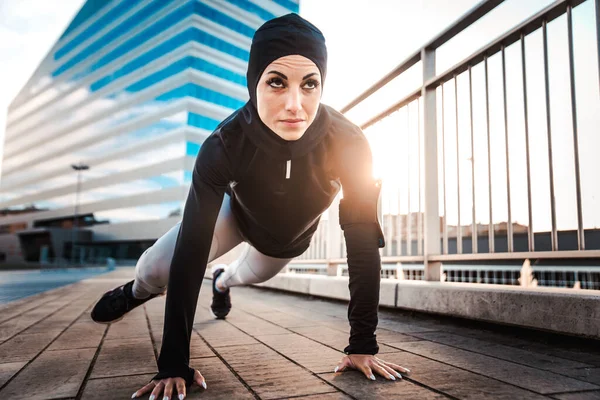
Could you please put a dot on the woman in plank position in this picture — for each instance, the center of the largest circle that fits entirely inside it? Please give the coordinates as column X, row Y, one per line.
column 265, row 176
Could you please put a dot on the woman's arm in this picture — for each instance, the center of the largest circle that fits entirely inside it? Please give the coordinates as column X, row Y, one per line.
column 210, row 177
column 358, row 219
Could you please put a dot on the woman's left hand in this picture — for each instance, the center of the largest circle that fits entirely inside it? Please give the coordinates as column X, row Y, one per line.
column 369, row 365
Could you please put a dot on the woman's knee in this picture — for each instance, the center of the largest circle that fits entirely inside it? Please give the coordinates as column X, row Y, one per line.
column 153, row 268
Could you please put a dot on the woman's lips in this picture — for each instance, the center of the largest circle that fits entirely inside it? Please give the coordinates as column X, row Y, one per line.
column 292, row 122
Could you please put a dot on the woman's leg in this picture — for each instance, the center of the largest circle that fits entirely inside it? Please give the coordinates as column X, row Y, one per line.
column 152, row 268
column 251, row 267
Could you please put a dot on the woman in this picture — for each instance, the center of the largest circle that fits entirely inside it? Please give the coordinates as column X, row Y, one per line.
column 265, row 176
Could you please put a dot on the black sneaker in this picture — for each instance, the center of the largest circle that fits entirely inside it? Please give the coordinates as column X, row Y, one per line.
column 221, row 301
column 114, row 304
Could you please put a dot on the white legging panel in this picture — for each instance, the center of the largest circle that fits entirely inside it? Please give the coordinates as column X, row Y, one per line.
column 152, row 268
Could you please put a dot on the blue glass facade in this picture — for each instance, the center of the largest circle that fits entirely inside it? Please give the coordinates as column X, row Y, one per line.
column 131, row 89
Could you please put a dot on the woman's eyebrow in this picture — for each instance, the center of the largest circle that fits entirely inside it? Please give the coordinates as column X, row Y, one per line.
column 278, row 73
column 286, row 78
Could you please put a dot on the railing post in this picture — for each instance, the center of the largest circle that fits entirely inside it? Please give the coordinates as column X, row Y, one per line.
column 433, row 270
column 334, row 240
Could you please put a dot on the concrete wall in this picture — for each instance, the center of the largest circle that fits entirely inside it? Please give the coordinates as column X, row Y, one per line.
column 567, row 311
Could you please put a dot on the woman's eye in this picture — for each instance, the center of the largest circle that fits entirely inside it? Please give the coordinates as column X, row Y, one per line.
column 311, row 84
column 276, row 83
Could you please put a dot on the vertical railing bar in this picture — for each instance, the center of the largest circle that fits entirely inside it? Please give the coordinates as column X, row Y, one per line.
column 509, row 230
column 398, row 224
column 598, row 35
column 487, row 117
column 474, row 233
column 390, row 226
column 408, row 214
column 531, row 243
column 553, row 237
column 458, row 226
column 580, row 233
column 445, row 233
column 419, row 216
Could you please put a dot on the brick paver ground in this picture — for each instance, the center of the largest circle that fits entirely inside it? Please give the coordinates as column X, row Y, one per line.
column 277, row 346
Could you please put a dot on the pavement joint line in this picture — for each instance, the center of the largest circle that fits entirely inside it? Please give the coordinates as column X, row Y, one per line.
column 118, row 376
column 242, row 381
column 302, row 395
column 86, row 378
column 503, row 359
column 42, row 350
column 403, row 376
column 22, row 331
column 501, row 344
column 25, row 311
column 468, row 370
column 574, row 392
column 151, row 335
column 289, row 359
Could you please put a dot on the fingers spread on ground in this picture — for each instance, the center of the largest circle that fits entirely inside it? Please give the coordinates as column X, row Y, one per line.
column 396, row 367
column 382, row 371
column 180, row 389
column 157, row 390
column 169, row 388
column 390, row 370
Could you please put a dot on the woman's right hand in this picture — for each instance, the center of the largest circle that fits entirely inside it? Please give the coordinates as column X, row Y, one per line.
column 159, row 385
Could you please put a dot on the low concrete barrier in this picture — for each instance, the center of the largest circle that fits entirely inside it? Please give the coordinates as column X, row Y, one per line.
column 567, row 311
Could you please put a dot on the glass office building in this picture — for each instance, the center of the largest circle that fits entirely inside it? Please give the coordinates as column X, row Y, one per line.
column 130, row 91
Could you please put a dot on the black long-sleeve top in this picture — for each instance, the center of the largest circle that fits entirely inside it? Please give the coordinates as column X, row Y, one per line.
column 278, row 189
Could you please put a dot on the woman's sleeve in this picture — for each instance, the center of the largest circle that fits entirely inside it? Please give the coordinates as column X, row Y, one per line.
column 209, row 179
column 364, row 237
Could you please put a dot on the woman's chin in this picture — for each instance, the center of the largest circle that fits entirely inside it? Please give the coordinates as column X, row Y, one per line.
column 290, row 134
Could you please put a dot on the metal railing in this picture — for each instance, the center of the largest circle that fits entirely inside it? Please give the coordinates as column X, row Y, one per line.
column 430, row 141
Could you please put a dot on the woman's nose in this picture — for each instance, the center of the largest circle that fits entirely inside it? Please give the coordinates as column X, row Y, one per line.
column 293, row 101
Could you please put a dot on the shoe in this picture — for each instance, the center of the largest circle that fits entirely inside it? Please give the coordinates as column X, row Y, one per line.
column 114, row 304
column 221, row 301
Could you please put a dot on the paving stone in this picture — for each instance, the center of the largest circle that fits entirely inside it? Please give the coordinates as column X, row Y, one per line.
column 8, row 370
column 526, row 377
column 24, row 347
column 12, row 310
column 269, row 374
column 401, row 327
column 589, row 355
column 579, row 396
column 254, row 326
column 129, row 328
column 357, row 385
column 54, row 374
column 80, row 335
column 221, row 333
column 198, row 347
column 532, row 359
column 323, row 396
column 285, row 320
column 124, row 357
column 115, row 388
column 457, row 382
column 334, row 338
column 591, row 375
column 60, row 320
column 308, row 353
column 221, row 383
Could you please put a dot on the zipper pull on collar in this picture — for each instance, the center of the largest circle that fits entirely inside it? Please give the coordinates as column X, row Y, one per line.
column 288, row 169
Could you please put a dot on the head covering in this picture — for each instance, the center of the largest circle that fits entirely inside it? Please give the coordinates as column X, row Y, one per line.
column 280, row 37
column 287, row 35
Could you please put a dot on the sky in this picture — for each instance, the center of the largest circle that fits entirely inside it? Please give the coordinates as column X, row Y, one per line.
column 365, row 41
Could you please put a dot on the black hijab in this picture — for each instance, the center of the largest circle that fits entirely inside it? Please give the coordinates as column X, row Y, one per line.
column 280, row 37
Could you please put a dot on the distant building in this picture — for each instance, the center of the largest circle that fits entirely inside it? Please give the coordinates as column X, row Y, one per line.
column 131, row 89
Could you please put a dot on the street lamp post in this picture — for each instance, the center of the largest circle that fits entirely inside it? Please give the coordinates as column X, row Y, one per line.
column 77, row 167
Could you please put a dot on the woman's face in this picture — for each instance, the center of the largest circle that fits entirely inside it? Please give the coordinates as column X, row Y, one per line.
column 288, row 95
